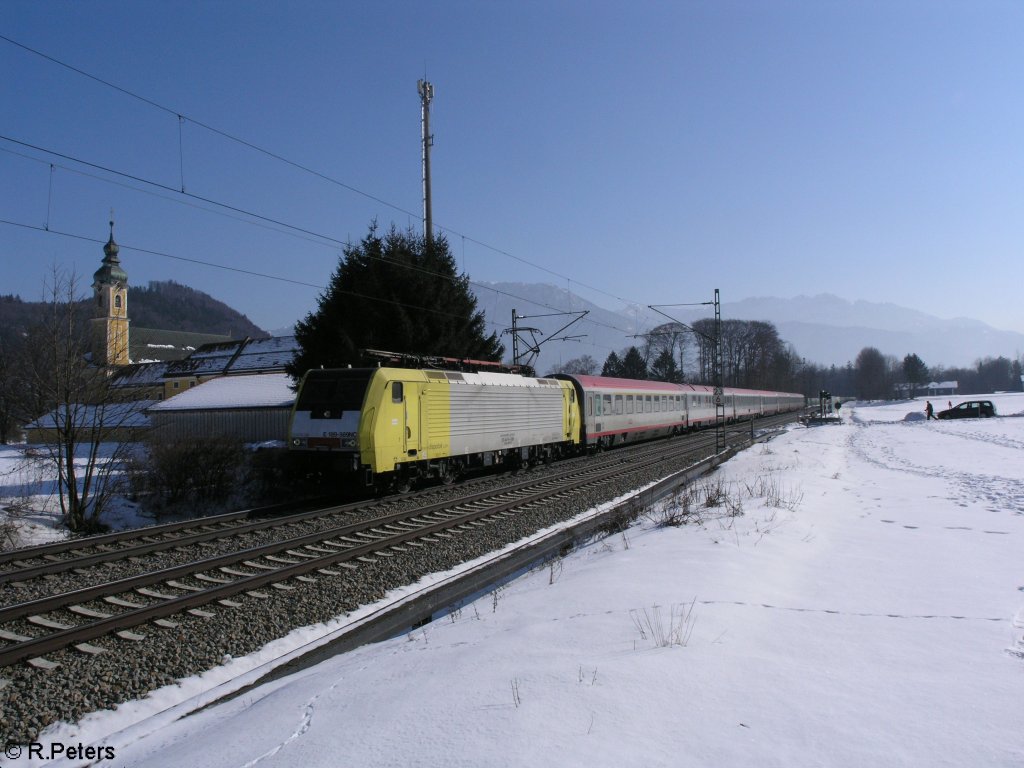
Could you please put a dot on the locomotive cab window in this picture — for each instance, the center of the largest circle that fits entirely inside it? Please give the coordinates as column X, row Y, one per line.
column 397, row 392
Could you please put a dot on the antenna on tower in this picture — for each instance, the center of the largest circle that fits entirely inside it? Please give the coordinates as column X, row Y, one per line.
column 426, row 91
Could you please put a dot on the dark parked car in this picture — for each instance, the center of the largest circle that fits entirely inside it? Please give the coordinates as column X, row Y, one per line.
column 972, row 409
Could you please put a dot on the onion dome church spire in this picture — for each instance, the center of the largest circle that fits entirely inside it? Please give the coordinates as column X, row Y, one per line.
column 110, row 325
column 111, row 271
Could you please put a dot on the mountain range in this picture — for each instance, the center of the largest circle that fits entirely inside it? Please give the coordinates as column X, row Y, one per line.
column 823, row 329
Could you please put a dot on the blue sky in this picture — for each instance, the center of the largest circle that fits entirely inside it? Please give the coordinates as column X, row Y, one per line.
column 654, row 151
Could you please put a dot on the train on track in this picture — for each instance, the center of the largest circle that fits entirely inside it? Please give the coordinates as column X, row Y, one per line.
column 398, row 426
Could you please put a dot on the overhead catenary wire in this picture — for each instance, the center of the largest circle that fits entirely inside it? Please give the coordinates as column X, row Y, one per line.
column 181, row 116
column 281, row 226
column 214, row 265
column 239, row 270
column 249, row 217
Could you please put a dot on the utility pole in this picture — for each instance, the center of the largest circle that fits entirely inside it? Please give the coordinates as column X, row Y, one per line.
column 533, row 345
column 426, row 91
column 715, row 344
column 716, row 357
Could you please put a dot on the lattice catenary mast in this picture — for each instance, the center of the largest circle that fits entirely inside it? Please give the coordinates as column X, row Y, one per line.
column 426, row 91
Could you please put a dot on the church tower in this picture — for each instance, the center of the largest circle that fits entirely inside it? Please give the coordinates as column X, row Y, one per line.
column 110, row 324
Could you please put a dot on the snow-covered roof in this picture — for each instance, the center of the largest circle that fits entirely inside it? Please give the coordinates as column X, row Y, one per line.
column 237, row 357
column 140, row 374
column 155, row 344
column 271, row 390
column 111, row 416
column 264, row 354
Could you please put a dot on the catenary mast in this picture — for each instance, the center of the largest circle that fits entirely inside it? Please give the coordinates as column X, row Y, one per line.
column 426, row 91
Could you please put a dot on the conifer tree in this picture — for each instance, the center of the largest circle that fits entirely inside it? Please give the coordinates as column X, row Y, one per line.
column 612, row 366
column 665, row 368
column 633, row 365
column 915, row 372
column 399, row 293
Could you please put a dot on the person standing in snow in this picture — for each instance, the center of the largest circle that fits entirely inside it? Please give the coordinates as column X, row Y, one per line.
column 929, row 413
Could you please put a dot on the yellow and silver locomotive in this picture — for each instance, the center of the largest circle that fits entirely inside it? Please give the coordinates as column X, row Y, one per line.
column 397, row 425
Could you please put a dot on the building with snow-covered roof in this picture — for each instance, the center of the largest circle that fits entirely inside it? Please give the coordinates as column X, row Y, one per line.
column 231, row 358
column 942, row 388
column 251, row 408
column 123, row 422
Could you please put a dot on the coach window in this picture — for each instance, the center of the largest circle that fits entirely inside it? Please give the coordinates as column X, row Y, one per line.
column 606, row 405
column 396, row 392
column 590, row 405
column 618, row 405
column 647, row 403
column 629, row 403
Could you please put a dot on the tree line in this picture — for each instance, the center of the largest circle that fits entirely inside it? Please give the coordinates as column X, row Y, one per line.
column 883, row 377
column 754, row 356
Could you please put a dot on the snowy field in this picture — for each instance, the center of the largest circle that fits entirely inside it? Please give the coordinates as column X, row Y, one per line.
column 864, row 609
column 28, row 495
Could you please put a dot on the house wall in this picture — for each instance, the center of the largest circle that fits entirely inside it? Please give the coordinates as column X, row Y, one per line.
column 49, row 435
column 177, row 385
column 250, row 425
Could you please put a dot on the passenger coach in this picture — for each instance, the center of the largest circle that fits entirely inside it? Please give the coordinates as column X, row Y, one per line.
column 616, row 411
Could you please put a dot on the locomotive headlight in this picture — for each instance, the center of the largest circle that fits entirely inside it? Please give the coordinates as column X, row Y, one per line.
column 350, row 443
column 297, row 442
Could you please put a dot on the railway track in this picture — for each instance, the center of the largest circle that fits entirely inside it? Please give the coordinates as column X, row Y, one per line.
column 152, row 597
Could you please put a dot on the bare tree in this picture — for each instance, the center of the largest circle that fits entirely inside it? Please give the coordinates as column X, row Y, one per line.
column 667, row 339
column 82, row 417
column 584, row 365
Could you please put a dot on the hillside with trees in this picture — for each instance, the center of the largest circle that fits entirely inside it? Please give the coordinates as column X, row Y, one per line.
column 167, row 306
column 174, row 307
